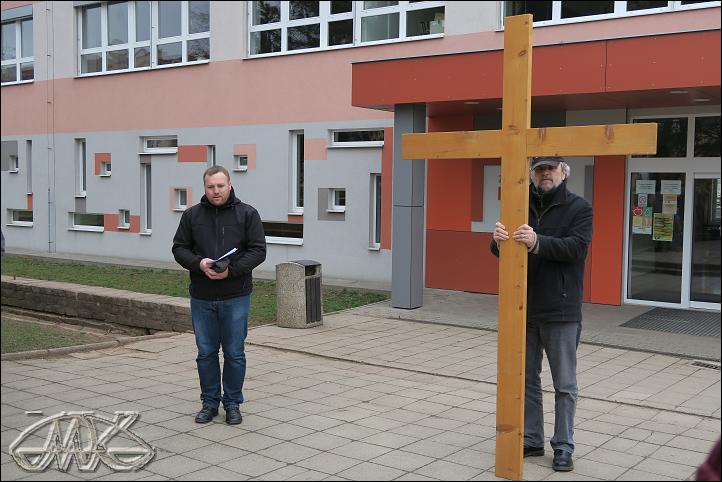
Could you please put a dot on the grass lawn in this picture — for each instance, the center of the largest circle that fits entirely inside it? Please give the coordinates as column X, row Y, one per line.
column 167, row 282
column 20, row 335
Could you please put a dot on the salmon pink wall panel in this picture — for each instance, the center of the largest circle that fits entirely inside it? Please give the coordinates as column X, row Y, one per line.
column 387, row 175
column 193, row 153
column 101, row 157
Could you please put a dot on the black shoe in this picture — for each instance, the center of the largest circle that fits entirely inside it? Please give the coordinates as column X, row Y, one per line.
column 233, row 416
column 562, row 461
column 206, row 414
column 533, row 451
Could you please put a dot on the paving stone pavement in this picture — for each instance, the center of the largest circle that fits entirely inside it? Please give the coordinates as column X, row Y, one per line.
column 367, row 398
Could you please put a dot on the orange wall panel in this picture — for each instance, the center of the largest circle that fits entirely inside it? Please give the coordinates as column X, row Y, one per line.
column 448, row 196
column 664, row 61
column 461, row 261
column 605, row 281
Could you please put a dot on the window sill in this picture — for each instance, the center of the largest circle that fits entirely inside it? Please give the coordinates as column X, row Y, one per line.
column 13, row 171
column 124, row 228
column 146, row 233
column 165, row 151
column 21, row 82
column 296, row 213
column 375, row 248
column 356, row 144
column 286, row 241
column 337, row 211
column 347, row 46
column 20, row 224
column 104, row 175
column 241, row 169
column 88, row 229
column 179, row 210
column 83, row 196
column 142, row 69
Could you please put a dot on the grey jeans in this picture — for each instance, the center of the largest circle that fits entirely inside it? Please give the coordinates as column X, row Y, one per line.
column 559, row 341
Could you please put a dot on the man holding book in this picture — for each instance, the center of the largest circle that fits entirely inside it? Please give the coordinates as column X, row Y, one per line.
column 220, row 287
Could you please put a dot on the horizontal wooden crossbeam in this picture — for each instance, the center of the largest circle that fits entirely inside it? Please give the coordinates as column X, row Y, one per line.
column 599, row 140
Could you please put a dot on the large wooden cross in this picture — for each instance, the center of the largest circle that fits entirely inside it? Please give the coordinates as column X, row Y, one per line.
column 515, row 143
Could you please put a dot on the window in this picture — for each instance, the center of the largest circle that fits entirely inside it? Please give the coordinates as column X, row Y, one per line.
column 211, row 156
column 671, row 136
column 29, row 165
column 336, row 200
column 375, row 218
column 139, row 35
column 105, row 169
column 20, row 217
column 81, row 167
column 281, row 27
column 124, row 219
column 87, row 221
column 18, row 63
column 551, row 12
column 145, row 199
column 685, row 136
column 14, row 163
column 283, row 233
column 357, row 138
column 160, row 145
column 240, row 163
column 180, row 199
column 297, row 171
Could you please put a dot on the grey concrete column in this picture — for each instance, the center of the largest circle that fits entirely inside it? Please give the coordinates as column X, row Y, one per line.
column 409, row 182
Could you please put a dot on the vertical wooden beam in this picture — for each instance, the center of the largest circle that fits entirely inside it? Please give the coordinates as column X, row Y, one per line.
column 516, row 120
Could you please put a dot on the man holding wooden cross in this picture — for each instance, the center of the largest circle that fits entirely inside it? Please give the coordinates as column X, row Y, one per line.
column 557, row 237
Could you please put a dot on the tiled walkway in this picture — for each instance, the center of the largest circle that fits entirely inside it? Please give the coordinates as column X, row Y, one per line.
column 365, row 398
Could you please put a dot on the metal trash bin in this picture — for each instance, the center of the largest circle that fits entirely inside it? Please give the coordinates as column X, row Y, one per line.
column 298, row 294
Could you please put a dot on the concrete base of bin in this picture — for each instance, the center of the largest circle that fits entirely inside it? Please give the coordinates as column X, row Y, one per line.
column 291, row 298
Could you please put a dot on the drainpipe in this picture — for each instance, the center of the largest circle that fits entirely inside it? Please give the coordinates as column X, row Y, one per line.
column 50, row 122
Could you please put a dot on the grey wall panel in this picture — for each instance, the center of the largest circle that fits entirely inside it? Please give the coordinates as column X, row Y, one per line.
column 9, row 148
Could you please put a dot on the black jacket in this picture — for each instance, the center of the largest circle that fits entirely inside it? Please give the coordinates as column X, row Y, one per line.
column 207, row 231
column 563, row 224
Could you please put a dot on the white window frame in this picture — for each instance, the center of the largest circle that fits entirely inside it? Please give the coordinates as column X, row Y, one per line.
column 146, row 199
column 124, row 219
column 295, row 207
column 14, row 164
column 14, row 222
column 375, row 198
column 81, row 167
column 159, row 150
column 334, row 143
column 239, row 166
column 177, row 195
column 19, row 59
column 332, row 206
column 152, row 44
column 620, row 10
column 357, row 13
column 85, row 227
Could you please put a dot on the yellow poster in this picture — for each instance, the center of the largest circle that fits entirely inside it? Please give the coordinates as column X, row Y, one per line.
column 669, row 203
column 663, row 227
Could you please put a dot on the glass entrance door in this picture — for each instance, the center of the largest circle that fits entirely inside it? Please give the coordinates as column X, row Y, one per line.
column 705, row 269
column 656, row 237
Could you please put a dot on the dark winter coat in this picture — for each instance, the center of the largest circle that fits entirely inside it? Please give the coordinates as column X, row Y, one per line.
column 563, row 224
column 208, row 231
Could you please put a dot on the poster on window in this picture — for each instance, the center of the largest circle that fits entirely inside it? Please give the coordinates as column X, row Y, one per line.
column 645, row 186
column 669, row 204
column 642, row 200
column 670, row 186
column 663, row 228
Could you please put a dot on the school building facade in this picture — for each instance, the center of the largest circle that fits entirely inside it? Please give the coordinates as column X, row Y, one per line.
column 111, row 111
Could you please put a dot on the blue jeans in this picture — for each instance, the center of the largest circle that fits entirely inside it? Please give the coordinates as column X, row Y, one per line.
column 216, row 324
column 559, row 341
